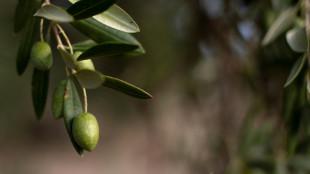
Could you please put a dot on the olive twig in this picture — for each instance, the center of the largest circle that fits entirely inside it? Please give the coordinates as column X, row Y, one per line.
column 85, row 100
column 66, row 37
column 41, row 30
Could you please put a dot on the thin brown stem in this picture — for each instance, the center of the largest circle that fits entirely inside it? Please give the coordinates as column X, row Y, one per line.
column 66, row 37
column 41, row 29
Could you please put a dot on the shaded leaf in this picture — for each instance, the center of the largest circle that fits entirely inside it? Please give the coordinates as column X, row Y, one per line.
column 88, row 8
column 39, row 85
column 72, row 108
column 89, row 79
column 125, row 87
column 296, row 69
column 24, row 11
column 84, row 45
column 297, row 39
column 102, row 33
column 68, row 58
column 281, row 24
column 54, row 13
column 107, row 49
column 58, row 99
column 25, row 45
column 117, row 18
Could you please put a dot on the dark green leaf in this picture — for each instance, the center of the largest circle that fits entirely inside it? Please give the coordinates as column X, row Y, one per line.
column 281, row 24
column 107, row 49
column 88, row 8
column 54, row 13
column 72, row 108
column 25, row 45
column 84, row 45
column 68, row 58
column 296, row 69
column 102, row 33
column 39, row 85
column 297, row 39
column 125, row 87
column 89, row 79
column 24, row 11
column 58, row 99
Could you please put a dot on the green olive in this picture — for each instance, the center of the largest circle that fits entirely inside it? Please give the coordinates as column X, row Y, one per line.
column 83, row 64
column 85, row 131
column 41, row 55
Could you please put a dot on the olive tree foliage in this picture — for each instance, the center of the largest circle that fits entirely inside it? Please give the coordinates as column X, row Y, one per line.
column 108, row 29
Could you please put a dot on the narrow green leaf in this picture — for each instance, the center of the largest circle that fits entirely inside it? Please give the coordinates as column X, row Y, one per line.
column 124, row 87
column 58, row 99
column 68, row 58
column 115, row 17
column 88, row 8
column 72, row 108
column 296, row 69
column 25, row 45
column 54, row 13
column 102, row 33
column 107, row 49
column 84, row 45
column 24, row 11
column 89, row 79
column 39, row 85
column 297, row 39
column 281, row 24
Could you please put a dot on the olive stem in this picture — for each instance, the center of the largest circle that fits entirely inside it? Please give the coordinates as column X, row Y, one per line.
column 66, row 37
column 85, row 100
column 58, row 39
column 307, row 5
column 41, row 30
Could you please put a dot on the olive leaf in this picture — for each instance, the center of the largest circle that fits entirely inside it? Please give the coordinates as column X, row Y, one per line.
column 296, row 69
column 89, row 79
column 124, row 87
column 297, row 39
column 102, row 33
column 117, row 18
column 25, row 45
column 281, row 24
column 58, row 99
column 40, row 80
column 68, row 58
column 54, row 13
column 88, row 8
column 84, row 45
column 24, row 11
column 107, row 49
column 72, row 108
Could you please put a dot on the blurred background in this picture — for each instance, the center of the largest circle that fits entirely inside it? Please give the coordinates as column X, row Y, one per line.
column 217, row 104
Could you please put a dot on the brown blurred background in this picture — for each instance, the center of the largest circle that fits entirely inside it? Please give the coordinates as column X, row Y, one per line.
column 204, row 68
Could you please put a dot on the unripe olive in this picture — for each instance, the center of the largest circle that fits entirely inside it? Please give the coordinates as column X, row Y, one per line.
column 83, row 64
column 85, row 131
column 41, row 55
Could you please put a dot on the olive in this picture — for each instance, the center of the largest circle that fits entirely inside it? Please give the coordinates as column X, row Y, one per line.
column 83, row 64
column 85, row 131
column 41, row 55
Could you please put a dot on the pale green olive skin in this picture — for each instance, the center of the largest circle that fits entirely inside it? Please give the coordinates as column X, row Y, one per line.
column 41, row 55
column 83, row 64
column 85, row 131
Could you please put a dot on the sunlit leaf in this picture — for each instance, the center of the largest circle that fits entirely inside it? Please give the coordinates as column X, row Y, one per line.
column 24, row 11
column 54, row 13
column 84, row 45
column 107, row 49
column 88, row 8
column 58, row 99
column 25, row 45
column 125, row 87
column 39, row 85
column 89, row 79
column 102, row 33
column 281, row 24
column 297, row 39
column 68, row 58
column 296, row 69
column 72, row 108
